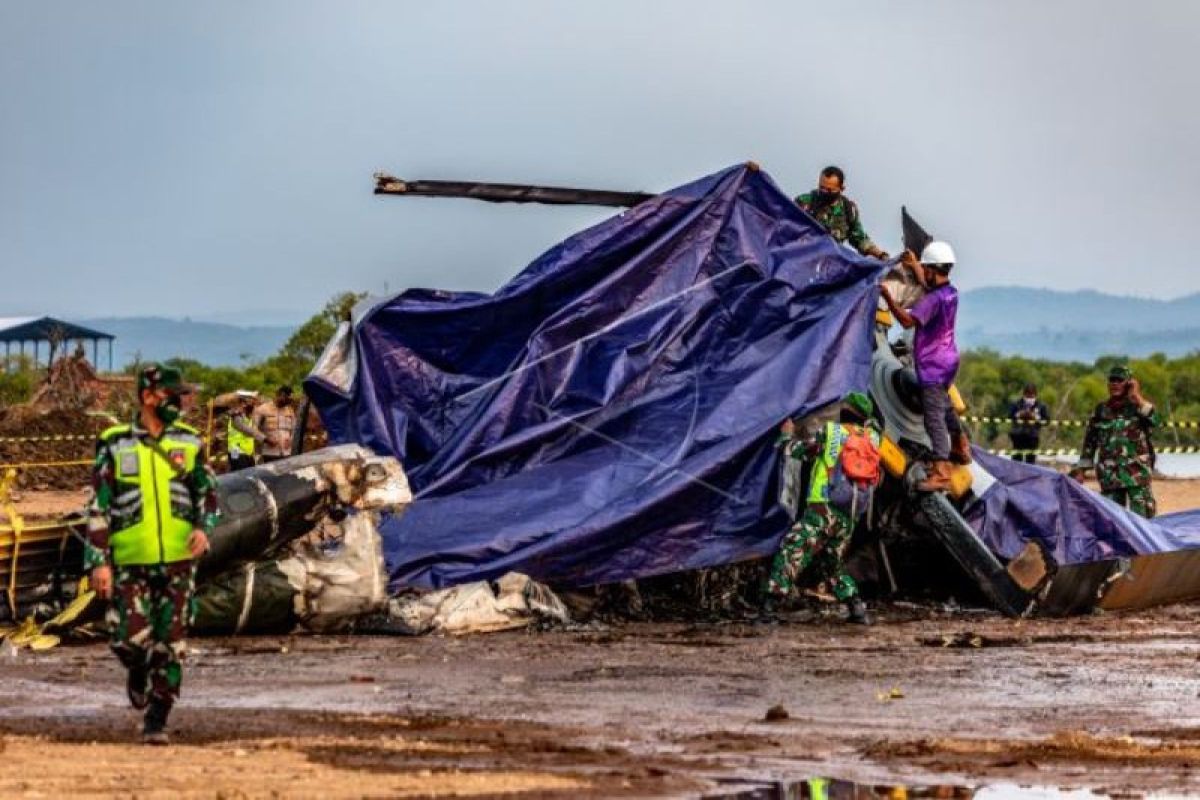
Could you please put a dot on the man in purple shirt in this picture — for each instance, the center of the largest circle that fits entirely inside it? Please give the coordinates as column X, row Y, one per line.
column 935, row 356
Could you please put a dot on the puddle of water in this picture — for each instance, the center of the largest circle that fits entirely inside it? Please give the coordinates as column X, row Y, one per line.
column 830, row 789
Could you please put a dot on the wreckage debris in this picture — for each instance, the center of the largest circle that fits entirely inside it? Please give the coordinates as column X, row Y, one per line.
column 513, row 601
column 254, row 576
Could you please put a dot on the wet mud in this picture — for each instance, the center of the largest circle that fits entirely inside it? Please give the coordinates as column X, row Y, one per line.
column 927, row 696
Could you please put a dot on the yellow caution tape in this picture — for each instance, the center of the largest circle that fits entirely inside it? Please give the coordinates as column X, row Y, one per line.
column 63, row 437
column 32, row 464
column 1185, row 450
column 1071, row 423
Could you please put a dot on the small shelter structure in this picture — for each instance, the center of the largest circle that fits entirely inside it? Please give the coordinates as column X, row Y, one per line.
column 15, row 332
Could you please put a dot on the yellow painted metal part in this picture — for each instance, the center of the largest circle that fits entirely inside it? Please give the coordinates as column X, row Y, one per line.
column 73, row 609
column 956, row 400
column 892, row 458
column 960, row 481
column 25, row 549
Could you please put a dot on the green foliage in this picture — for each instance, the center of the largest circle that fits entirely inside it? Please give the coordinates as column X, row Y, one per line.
column 990, row 383
column 18, row 379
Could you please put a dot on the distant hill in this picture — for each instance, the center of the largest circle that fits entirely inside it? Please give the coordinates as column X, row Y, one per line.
column 1010, row 309
column 217, row 344
column 1076, row 326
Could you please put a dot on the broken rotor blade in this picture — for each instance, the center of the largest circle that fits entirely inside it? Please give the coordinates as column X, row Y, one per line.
column 508, row 192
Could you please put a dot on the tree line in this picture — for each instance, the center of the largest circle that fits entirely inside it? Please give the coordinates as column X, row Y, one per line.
column 991, row 382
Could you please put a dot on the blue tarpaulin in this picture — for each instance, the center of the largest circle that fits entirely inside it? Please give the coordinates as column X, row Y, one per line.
column 611, row 412
column 1076, row 525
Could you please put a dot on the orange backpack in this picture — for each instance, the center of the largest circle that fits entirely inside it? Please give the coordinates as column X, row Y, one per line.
column 859, row 459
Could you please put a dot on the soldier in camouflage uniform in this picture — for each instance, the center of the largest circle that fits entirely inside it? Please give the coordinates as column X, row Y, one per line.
column 1118, row 444
column 823, row 533
column 837, row 213
column 154, row 505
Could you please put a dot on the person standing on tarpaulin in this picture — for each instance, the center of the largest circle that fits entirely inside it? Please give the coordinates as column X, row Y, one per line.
column 838, row 214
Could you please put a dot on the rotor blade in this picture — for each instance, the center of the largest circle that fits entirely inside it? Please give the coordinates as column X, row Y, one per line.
column 508, row 192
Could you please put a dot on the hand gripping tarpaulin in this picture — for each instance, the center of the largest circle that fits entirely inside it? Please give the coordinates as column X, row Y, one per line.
column 612, row 411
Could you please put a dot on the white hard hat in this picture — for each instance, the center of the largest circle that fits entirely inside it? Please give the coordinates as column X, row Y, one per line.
column 937, row 253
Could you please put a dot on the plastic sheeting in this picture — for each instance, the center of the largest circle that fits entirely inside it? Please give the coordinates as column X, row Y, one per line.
column 611, row 412
column 1077, row 525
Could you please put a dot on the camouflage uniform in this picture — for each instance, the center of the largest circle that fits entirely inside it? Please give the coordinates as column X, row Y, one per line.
column 1118, row 442
column 841, row 219
column 148, row 619
column 822, row 534
column 152, row 604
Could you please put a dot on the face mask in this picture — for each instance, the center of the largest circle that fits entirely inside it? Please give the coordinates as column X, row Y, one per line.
column 1029, row 401
column 168, row 409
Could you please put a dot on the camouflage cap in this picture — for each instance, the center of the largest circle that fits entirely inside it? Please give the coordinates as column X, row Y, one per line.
column 860, row 404
column 155, row 376
column 1120, row 372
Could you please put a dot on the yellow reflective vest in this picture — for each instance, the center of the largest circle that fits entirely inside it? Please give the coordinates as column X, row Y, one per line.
column 153, row 511
column 836, row 434
column 243, row 443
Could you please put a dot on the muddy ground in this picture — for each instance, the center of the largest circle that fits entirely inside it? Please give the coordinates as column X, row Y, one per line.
column 632, row 710
column 929, row 695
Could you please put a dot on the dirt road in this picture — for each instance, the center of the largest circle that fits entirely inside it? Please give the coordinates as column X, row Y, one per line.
column 635, row 710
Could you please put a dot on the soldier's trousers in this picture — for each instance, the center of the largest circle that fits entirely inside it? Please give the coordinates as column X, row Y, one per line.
column 819, row 540
column 152, row 607
column 1138, row 499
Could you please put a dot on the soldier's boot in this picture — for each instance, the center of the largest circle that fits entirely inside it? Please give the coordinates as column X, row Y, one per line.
column 960, row 449
column 135, row 687
column 937, row 478
column 856, row 612
column 154, row 723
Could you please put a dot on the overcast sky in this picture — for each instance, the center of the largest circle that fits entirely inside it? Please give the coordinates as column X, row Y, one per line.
column 200, row 158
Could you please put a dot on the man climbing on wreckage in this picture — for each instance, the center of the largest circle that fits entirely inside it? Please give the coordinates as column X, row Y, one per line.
column 155, row 505
column 1118, row 444
column 935, row 356
column 837, row 213
column 845, row 472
